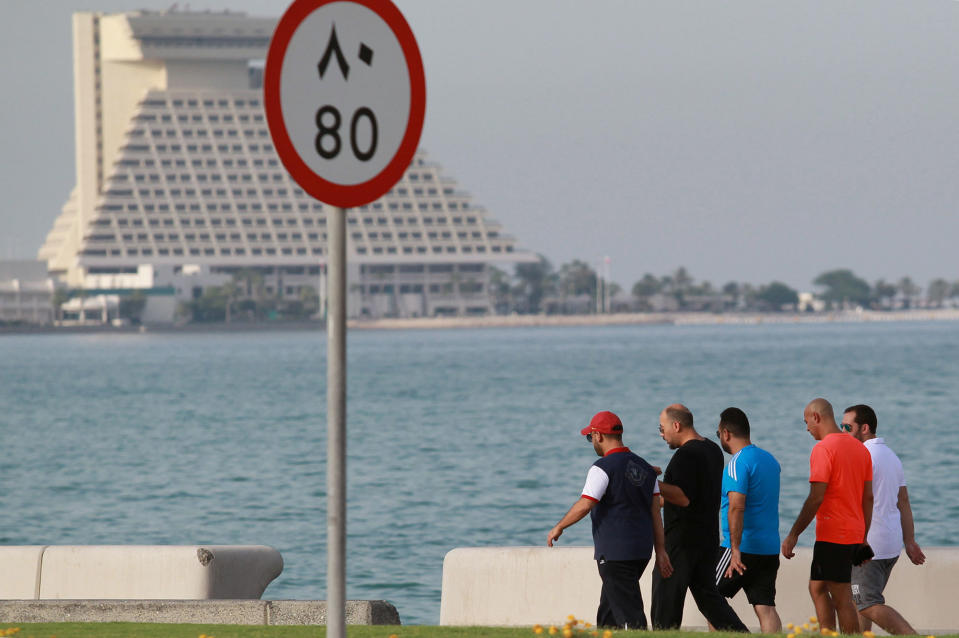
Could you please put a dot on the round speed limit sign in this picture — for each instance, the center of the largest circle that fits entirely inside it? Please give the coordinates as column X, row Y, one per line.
column 345, row 97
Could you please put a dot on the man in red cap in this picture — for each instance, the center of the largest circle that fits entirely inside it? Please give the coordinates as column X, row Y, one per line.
column 621, row 497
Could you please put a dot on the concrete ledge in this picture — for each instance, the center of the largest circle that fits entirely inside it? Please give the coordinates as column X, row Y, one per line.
column 522, row 586
column 100, row 572
column 205, row 612
column 313, row 612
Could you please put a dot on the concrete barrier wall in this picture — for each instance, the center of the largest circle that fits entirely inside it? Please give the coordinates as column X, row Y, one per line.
column 522, row 586
column 20, row 571
column 108, row 572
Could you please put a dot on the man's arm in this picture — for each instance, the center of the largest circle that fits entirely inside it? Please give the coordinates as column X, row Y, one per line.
column 673, row 494
column 913, row 551
column 579, row 509
column 866, row 507
column 659, row 539
column 737, row 509
column 817, row 491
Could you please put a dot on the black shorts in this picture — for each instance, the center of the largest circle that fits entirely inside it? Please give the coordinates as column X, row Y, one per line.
column 758, row 581
column 832, row 562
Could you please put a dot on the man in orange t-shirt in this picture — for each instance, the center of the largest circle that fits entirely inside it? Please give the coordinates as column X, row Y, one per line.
column 840, row 498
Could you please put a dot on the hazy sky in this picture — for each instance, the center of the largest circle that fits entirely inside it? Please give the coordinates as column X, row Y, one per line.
column 745, row 140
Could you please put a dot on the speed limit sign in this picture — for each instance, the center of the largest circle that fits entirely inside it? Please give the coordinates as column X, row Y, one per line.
column 345, row 97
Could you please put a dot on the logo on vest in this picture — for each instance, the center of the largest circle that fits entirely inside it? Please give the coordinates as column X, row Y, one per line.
column 635, row 474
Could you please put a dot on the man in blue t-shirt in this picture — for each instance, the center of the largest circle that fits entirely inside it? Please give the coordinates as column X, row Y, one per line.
column 749, row 514
column 621, row 496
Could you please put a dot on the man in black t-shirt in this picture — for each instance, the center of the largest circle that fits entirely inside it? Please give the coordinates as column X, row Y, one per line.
column 691, row 489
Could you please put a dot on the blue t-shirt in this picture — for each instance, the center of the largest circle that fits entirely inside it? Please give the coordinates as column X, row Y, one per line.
column 755, row 473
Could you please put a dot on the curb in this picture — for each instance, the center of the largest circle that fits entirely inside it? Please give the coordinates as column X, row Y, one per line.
column 219, row 612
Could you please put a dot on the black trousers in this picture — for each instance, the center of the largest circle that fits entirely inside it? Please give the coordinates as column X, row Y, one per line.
column 621, row 602
column 693, row 569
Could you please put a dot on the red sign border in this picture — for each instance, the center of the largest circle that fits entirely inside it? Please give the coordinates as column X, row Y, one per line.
column 343, row 195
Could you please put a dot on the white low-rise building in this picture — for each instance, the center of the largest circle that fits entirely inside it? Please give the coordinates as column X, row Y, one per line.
column 26, row 293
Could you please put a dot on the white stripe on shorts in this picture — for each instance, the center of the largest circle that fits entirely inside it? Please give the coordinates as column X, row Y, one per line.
column 723, row 565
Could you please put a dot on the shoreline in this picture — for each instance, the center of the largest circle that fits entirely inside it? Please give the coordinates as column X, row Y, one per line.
column 512, row 321
column 654, row 318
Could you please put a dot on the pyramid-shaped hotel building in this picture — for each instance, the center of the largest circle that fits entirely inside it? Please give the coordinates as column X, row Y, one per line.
column 179, row 186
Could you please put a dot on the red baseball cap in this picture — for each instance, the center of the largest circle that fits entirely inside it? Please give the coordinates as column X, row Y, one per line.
column 604, row 422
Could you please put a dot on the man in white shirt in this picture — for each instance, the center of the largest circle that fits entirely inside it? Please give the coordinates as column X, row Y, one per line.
column 892, row 526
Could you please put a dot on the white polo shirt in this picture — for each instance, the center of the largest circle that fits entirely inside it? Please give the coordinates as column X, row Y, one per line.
column 885, row 532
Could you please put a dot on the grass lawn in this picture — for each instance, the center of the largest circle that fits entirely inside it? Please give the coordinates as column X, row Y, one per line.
column 144, row 630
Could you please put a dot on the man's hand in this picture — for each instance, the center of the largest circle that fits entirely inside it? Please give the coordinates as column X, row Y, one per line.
column 789, row 543
column 553, row 535
column 664, row 564
column 914, row 552
column 735, row 563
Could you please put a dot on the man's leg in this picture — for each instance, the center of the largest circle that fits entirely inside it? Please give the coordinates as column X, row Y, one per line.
column 759, row 583
column 621, row 593
column 887, row 618
column 868, row 582
column 841, row 595
column 604, row 615
column 669, row 594
column 711, row 603
column 769, row 621
column 825, row 611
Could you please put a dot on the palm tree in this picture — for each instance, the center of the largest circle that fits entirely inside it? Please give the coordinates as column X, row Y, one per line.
column 938, row 291
column 908, row 289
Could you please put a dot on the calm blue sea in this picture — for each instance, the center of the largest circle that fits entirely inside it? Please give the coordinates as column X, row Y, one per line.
column 456, row 437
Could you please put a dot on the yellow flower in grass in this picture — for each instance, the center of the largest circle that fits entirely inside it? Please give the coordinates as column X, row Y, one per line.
column 789, row 625
column 607, row 634
column 552, row 630
column 594, row 633
column 790, row 635
column 868, row 634
column 537, row 629
column 806, row 626
column 393, row 636
column 567, row 633
column 813, row 619
column 571, row 618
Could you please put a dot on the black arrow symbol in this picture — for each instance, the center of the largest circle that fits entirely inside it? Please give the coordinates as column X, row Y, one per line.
column 333, row 47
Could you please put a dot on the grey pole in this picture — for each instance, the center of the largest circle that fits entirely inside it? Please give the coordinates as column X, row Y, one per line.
column 336, row 428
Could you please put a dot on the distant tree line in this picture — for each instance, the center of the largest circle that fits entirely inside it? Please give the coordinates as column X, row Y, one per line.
column 576, row 288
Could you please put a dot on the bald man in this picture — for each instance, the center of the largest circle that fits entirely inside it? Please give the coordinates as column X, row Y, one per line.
column 691, row 489
column 840, row 499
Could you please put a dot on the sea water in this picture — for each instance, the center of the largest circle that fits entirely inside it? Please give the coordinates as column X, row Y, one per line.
column 456, row 438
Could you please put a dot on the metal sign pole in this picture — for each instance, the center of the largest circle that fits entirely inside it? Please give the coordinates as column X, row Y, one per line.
column 336, row 428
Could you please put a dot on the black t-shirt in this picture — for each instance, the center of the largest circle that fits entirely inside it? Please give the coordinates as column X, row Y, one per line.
column 697, row 468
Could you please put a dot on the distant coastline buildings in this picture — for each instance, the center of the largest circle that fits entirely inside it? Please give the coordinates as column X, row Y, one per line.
column 179, row 189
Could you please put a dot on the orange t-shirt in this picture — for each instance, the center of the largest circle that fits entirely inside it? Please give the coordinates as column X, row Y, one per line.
column 844, row 464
